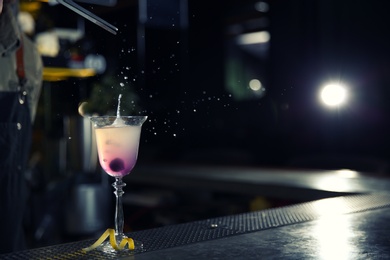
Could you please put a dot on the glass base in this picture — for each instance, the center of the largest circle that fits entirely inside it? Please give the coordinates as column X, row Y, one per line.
column 107, row 248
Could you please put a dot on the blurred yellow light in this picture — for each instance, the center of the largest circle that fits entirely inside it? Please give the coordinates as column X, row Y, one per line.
column 58, row 74
column 29, row 6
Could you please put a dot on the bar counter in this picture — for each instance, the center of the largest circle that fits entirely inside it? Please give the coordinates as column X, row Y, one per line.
column 344, row 226
column 347, row 227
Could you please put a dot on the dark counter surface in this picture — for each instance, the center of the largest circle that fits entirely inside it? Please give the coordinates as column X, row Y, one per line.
column 362, row 235
column 347, row 227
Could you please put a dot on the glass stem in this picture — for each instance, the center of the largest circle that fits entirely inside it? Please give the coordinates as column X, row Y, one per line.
column 119, row 218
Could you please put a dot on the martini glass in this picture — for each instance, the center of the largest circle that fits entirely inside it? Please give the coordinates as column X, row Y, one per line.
column 117, row 139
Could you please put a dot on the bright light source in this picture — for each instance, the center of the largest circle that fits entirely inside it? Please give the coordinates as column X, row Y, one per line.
column 333, row 95
column 255, row 84
column 254, row 38
column 257, row 87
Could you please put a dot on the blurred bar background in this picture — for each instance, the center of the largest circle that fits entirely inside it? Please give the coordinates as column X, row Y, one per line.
column 228, row 86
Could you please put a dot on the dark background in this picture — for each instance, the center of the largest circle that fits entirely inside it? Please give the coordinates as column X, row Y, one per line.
column 180, row 64
column 179, row 60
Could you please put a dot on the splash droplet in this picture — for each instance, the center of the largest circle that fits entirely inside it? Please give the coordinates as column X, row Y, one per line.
column 118, row 113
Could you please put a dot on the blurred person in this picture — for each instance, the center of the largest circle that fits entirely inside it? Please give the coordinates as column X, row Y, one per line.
column 20, row 85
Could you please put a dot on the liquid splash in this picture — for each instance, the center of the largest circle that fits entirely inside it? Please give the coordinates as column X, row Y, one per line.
column 118, row 110
column 119, row 121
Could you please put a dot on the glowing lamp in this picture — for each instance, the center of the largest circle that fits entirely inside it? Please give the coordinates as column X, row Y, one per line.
column 333, row 95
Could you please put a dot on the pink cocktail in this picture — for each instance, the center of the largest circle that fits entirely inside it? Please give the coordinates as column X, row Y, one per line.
column 117, row 139
column 118, row 148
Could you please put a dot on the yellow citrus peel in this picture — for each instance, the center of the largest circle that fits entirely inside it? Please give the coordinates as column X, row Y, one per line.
column 111, row 233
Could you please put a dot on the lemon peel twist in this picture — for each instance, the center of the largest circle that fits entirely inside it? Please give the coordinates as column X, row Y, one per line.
column 111, row 233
